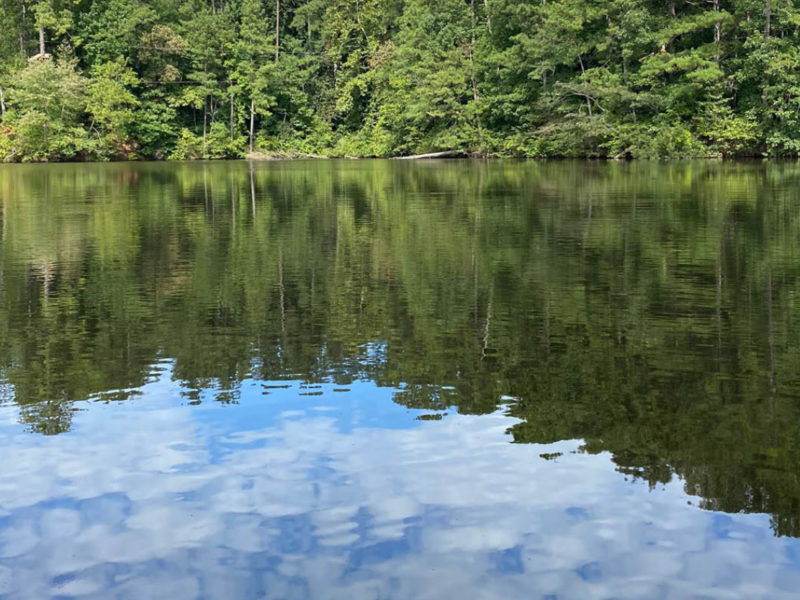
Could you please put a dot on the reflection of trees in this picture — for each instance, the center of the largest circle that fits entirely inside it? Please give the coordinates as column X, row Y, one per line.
column 647, row 310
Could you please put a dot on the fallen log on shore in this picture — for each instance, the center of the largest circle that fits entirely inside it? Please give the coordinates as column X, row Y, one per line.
column 290, row 155
column 445, row 154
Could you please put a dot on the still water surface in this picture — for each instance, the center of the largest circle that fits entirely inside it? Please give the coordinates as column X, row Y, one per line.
column 383, row 380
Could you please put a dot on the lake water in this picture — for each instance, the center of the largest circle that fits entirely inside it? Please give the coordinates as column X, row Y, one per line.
column 367, row 380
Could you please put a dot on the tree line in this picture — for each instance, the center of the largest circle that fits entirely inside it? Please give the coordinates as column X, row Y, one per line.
column 186, row 79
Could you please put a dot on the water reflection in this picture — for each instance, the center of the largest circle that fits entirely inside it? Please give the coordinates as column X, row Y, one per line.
column 621, row 321
column 291, row 496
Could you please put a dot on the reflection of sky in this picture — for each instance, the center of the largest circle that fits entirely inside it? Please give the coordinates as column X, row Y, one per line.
column 346, row 495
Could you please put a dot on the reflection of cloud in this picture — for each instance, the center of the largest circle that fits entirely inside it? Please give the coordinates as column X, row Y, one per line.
column 277, row 498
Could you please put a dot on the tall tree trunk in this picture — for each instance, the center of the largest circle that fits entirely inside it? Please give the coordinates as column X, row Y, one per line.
column 205, row 124
column 583, row 71
column 277, row 29
column 472, row 19
column 252, row 121
column 488, row 17
column 22, row 34
column 767, row 19
column 231, row 116
column 717, row 29
column 41, row 39
column 472, row 51
column 2, row 103
column 671, row 44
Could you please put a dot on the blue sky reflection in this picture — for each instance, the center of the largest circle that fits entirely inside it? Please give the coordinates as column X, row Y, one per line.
column 348, row 495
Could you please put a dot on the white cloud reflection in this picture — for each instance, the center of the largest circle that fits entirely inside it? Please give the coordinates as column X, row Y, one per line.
column 279, row 499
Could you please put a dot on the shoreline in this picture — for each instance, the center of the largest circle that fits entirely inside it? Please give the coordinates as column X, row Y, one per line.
column 430, row 157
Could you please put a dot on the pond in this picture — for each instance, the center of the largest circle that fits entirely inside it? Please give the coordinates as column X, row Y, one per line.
column 400, row 380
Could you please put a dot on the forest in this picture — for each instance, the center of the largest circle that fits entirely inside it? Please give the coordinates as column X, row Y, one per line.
column 206, row 79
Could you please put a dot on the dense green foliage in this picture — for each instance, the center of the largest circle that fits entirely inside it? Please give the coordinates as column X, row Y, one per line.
column 649, row 311
column 123, row 79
